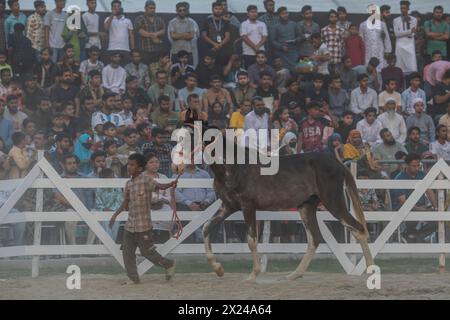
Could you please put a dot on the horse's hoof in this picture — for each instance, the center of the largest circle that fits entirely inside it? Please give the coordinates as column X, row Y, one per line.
column 219, row 271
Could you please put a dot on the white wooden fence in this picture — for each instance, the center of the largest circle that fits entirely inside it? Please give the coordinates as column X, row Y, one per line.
column 35, row 180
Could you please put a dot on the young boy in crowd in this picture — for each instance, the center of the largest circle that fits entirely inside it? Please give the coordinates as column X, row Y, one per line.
column 311, row 131
column 181, row 69
column 354, row 47
column 346, row 125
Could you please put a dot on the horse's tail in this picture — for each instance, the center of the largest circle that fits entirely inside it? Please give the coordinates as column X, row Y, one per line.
column 352, row 191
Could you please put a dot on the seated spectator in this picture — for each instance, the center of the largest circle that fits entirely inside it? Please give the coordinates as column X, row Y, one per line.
column 12, row 112
column 163, row 64
column 414, row 143
column 363, row 97
column 260, row 66
column 231, row 71
column 293, row 94
column 93, row 89
column 354, row 148
column 130, row 146
column 144, row 131
column 391, row 120
column 46, row 70
column 374, row 78
column 390, row 93
column 387, row 149
column 83, row 150
column 114, row 161
column 355, row 47
column 206, row 69
column 393, row 72
column 268, row 92
column 137, row 94
column 348, row 76
column 255, row 120
column 216, row 93
column 421, row 120
column 338, row 98
column 92, row 63
column 369, row 198
column 161, row 87
column 19, row 158
column 346, row 125
column 126, row 113
column 321, row 56
column 370, row 127
column 5, row 163
column 181, row 69
column 70, row 121
column 161, row 149
column 445, row 120
column 441, row 147
column 5, row 82
column 311, row 130
column 282, row 74
column 31, row 93
column 237, row 119
column 43, row 113
column 141, row 115
column 3, row 62
column 441, row 96
column 57, row 124
column 217, row 116
column 108, row 199
column 288, row 144
column 164, row 117
column 139, row 70
column 64, row 91
column 20, row 51
column 6, row 128
column 114, row 75
column 412, row 93
column 335, row 146
column 190, row 88
column 282, row 121
column 243, row 90
column 110, row 132
column 399, row 155
column 105, row 114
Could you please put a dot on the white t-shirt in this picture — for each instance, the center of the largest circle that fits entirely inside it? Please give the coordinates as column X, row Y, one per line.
column 442, row 151
column 100, row 118
column 322, row 66
column 92, row 20
column 114, row 78
column 255, row 32
column 118, row 34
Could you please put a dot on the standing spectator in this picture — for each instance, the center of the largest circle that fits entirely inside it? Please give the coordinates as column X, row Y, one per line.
column 233, row 21
column 343, row 22
column 92, row 22
column 114, row 76
column 161, row 149
column 216, row 33
column 15, row 17
column 333, row 36
column 355, row 47
column 271, row 20
column 138, row 69
column 386, row 17
column 3, row 17
column 441, row 147
column 306, row 28
column 161, row 87
column 182, row 31
column 90, row 64
column 20, row 159
column 54, row 23
column 405, row 28
column 412, row 93
column 6, row 128
column 387, row 149
column 254, row 35
column 285, row 38
column 390, row 92
column 420, row 40
column 438, row 32
column 363, row 97
column 181, row 69
column 35, row 27
column 120, row 29
column 65, row 91
column 377, row 42
column 77, row 38
column 311, row 130
column 20, row 51
column 321, row 55
column 338, row 98
column 190, row 88
column 391, row 120
column 260, row 65
column 370, row 127
column 421, row 120
column 414, row 144
column 13, row 113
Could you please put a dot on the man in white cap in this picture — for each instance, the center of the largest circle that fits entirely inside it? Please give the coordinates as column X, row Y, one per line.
column 391, row 120
column 422, row 121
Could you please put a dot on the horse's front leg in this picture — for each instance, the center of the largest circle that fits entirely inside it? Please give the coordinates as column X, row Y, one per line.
column 252, row 239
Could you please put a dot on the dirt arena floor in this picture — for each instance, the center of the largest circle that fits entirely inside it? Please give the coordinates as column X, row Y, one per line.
column 231, row 286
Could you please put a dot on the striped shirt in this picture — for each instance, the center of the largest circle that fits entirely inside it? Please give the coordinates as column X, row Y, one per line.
column 335, row 42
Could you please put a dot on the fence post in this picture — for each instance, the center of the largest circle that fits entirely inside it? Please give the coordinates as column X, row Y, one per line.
column 266, row 239
column 441, row 226
column 37, row 224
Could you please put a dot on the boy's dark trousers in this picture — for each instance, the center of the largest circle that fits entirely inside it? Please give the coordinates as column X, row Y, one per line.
column 143, row 240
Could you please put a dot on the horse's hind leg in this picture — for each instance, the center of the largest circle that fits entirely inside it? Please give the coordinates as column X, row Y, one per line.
column 208, row 227
column 252, row 239
column 308, row 214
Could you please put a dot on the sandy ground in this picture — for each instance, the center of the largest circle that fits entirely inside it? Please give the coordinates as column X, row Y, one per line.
column 231, row 286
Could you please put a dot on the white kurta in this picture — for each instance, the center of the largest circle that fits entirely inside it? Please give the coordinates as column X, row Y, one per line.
column 405, row 47
column 376, row 45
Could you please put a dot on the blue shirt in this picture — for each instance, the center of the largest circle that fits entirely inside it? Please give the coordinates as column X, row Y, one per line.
column 6, row 131
column 12, row 20
column 395, row 194
column 189, row 195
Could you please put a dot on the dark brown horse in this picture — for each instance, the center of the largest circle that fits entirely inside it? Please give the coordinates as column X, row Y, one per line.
column 303, row 181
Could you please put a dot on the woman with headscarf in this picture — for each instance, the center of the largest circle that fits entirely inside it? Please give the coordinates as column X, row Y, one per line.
column 288, row 144
column 83, row 151
column 354, row 148
column 334, row 146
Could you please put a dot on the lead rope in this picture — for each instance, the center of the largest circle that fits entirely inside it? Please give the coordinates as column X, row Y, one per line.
column 175, row 218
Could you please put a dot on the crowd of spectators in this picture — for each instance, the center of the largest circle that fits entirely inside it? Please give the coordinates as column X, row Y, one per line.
column 90, row 97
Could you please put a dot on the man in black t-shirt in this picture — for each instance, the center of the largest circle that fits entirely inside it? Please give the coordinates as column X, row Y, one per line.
column 441, row 96
column 268, row 92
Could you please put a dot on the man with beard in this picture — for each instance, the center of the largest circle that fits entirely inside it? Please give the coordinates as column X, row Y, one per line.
column 181, row 30
column 260, row 66
column 243, row 91
column 43, row 113
column 422, row 120
column 258, row 119
column 307, row 27
column 93, row 89
column 136, row 93
column 32, row 93
column 63, row 144
column 13, row 113
column 191, row 87
column 6, row 127
column 391, row 120
column 106, row 114
column 285, row 38
column 65, row 91
column 386, row 17
column 437, row 31
column 387, row 149
column 414, row 143
column 405, row 27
